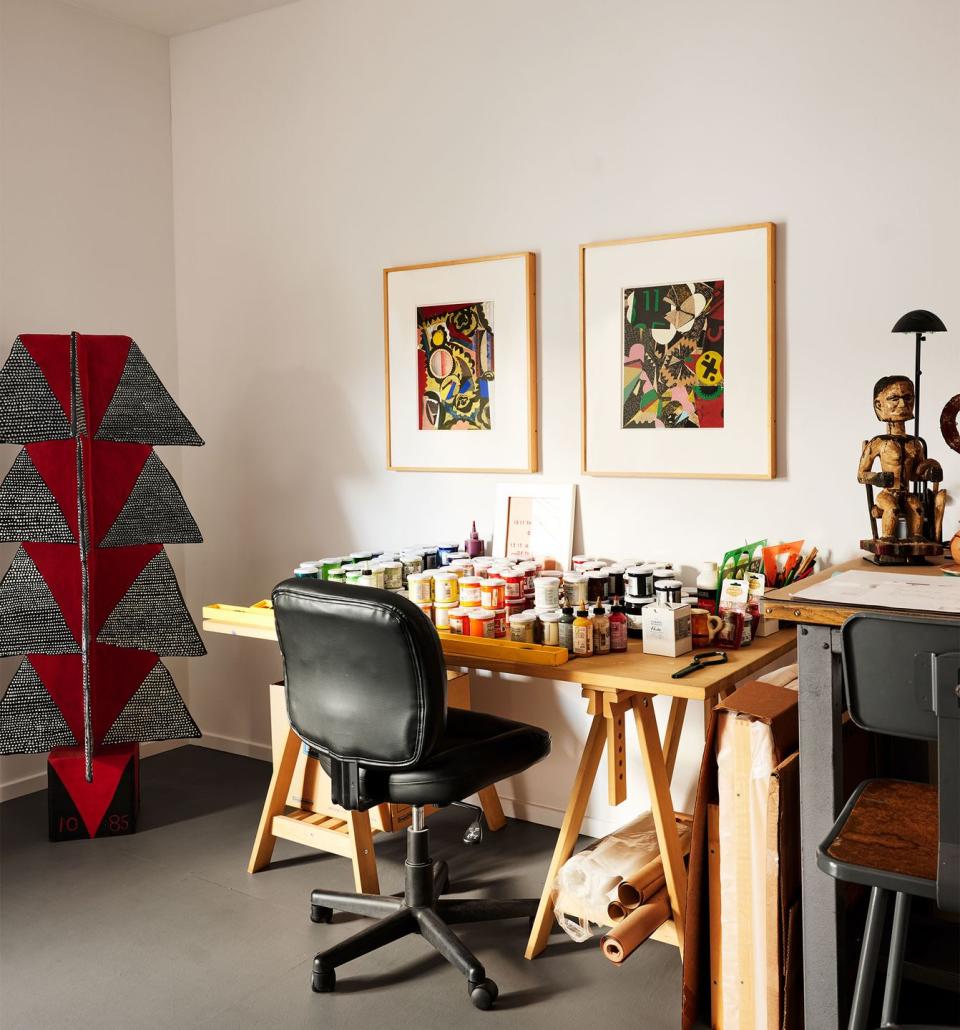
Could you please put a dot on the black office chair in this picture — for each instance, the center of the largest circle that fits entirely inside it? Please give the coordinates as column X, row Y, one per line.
column 902, row 677
column 366, row 689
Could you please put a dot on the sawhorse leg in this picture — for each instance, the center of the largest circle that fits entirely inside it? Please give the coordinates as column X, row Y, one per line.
column 274, row 804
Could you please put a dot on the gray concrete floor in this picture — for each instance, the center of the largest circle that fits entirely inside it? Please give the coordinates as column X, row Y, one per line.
column 165, row 928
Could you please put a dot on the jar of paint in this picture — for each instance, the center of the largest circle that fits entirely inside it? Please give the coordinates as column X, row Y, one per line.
column 513, row 584
column 446, row 588
column 546, row 591
column 367, row 579
column 615, row 584
column 597, row 581
column 379, row 576
column 668, row 591
column 521, row 628
column 618, row 628
column 412, row 563
column 470, row 591
column 441, row 614
column 514, row 606
column 575, row 589
column 335, row 575
column 528, row 569
column 579, row 560
column 460, row 621
column 582, row 634
column 633, row 610
column 500, row 623
column 420, row 587
column 663, row 572
column 351, row 573
column 360, row 556
column 306, row 570
column 550, row 627
column 392, row 575
column 427, row 608
column 638, row 580
column 493, row 594
column 431, row 558
column 481, row 622
column 469, row 569
column 481, row 566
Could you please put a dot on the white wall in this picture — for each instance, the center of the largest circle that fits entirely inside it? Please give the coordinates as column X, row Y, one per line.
column 320, row 142
column 86, row 209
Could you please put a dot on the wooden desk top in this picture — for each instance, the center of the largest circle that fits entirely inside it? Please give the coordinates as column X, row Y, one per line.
column 633, row 671
column 782, row 604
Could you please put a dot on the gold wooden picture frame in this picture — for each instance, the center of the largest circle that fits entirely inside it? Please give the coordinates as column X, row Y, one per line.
column 630, row 423
column 460, row 365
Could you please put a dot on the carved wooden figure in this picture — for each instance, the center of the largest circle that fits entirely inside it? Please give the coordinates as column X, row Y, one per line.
column 910, row 502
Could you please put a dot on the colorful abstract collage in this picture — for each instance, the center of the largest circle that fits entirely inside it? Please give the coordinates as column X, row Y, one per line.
column 455, row 366
column 673, row 375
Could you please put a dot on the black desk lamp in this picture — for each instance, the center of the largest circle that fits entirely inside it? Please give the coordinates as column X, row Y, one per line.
column 918, row 322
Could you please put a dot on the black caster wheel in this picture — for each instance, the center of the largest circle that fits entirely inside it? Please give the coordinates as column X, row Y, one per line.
column 320, row 914
column 483, row 994
column 324, row 982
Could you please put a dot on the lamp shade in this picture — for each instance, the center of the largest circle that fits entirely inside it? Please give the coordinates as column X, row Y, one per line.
column 919, row 321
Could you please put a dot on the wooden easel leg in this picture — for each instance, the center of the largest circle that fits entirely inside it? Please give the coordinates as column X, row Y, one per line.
column 658, row 784
column 567, row 839
column 492, row 810
column 671, row 739
column 274, row 804
column 363, row 857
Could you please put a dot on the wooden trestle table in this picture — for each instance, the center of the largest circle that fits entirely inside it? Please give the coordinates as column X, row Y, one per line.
column 613, row 687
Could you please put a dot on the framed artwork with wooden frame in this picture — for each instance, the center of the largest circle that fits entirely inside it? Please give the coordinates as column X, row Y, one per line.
column 678, row 355
column 535, row 520
column 460, row 342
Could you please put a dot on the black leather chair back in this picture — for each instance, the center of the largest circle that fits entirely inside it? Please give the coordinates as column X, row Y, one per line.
column 365, row 676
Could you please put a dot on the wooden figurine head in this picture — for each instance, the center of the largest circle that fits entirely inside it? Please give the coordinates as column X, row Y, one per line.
column 893, row 399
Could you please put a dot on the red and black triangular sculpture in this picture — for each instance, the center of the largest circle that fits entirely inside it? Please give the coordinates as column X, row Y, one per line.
column 90, row 598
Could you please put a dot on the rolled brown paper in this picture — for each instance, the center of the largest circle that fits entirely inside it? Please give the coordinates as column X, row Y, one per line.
column 615, row 912
column 629, row 934
column 652, row 889
column 631, row 892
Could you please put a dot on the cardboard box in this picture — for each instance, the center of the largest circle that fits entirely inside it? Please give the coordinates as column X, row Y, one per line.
column 744, row 879
column 666, row 630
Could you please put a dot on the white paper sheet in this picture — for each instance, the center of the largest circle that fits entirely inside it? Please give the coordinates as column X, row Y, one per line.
column 939, row 594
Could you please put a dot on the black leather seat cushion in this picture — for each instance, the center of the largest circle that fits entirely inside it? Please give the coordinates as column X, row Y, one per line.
column 475, row 751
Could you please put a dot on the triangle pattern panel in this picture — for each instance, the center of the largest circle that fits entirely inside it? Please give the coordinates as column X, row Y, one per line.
column 151, row 615
column 154, row 513
column 155, row 712
column 30, row 721
column 29, row 409
column 30, row 619
column 142, row 411
column 28, row 510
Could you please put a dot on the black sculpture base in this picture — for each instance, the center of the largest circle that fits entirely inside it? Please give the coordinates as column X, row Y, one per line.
column 901, row 552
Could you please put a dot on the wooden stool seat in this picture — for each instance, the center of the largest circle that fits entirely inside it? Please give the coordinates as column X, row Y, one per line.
column 892, row 826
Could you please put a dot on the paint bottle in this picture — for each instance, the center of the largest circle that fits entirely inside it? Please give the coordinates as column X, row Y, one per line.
column 566, row 629
column 618, row 628
column 707, row 587
column 306, row 570
column 601, row 631
column 583, row 634
column 473, row 545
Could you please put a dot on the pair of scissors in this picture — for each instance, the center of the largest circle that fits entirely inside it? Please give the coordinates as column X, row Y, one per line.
column 699, row 661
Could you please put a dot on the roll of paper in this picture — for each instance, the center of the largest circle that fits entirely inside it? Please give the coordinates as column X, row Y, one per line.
column 629, row 934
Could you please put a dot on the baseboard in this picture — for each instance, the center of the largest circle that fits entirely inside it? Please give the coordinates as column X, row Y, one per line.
column 38, row 781
column 235, row 746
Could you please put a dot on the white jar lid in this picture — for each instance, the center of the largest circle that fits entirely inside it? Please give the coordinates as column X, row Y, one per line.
column 669, row 584
column 481, row 613
column 551, row 616
column 494, row 581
